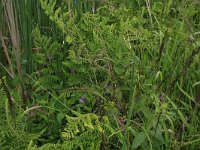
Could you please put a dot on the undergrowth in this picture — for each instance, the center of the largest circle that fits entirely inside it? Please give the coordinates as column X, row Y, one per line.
column 123, row 76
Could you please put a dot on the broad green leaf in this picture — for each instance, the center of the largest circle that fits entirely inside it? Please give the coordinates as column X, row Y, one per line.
column 138, row 140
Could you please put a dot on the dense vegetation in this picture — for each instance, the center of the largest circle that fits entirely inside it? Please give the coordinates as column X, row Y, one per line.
column 99, row 74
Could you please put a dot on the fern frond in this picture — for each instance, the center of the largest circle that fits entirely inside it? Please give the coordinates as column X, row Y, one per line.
column 83, row 131
column 54, row 13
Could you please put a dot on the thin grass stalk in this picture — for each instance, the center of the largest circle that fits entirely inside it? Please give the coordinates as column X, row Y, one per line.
column 1, row 14
column 29, row 4
column 38, row 10
column 5, row 49
column 149, row 10
column 24, row 11
column 130, row 112
column 10, row 12
column 10, row 101
column 185, row 67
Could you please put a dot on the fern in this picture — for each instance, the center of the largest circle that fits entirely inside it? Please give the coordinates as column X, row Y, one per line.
column 13, row 138
column 83, row 131
column 47, row 56
column 55, row 14
column 94, row 58
column 102, row 50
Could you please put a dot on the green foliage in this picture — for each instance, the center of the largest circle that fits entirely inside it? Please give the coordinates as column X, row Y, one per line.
column 112, row 75
column 83, row 131
column 105, row 46
column 47, row 58
column 15, row 139
column 13, row 136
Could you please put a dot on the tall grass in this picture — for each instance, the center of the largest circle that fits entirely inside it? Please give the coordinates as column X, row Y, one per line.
column 134, row 65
